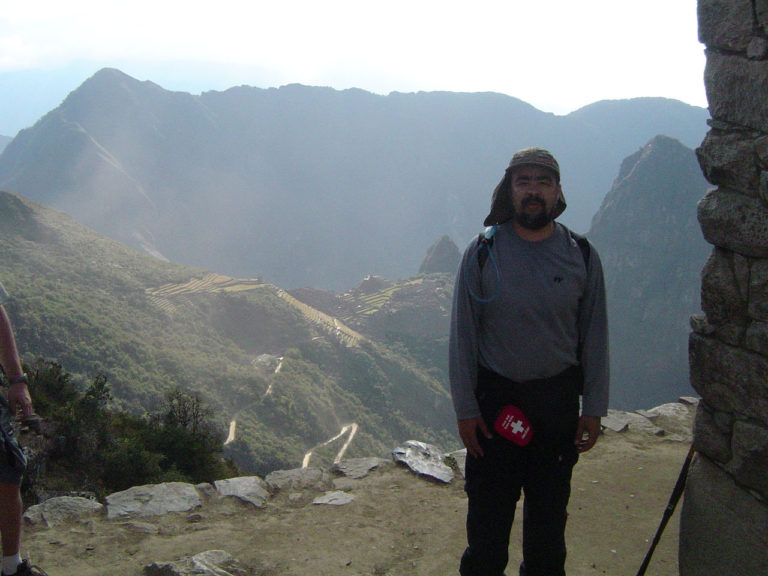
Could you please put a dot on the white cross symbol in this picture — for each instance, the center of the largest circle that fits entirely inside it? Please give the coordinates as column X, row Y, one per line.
column 517, row 427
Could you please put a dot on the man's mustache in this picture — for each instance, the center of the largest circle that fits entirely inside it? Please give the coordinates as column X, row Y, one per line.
column 530, row 200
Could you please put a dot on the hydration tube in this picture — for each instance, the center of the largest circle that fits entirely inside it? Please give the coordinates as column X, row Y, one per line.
column 484, row 241
column 489, row 232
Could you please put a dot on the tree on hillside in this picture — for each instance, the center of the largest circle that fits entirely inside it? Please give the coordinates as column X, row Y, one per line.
column 185, row 432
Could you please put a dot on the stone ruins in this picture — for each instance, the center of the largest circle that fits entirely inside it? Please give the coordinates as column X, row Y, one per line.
column 724, row 520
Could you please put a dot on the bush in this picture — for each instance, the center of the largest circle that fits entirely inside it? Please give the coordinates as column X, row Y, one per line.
column 184, row 432
column 89, row 445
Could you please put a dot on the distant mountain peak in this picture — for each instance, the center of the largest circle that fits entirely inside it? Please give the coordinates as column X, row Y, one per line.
column 652, row 250
column 660, row 175
column 442, row 256
column 111, row 88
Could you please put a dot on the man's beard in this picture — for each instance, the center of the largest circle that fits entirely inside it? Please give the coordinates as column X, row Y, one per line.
column 535, row 221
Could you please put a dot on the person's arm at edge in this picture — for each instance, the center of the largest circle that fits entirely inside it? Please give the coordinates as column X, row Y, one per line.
column 18, row 393
column 463, row 363
column 595, row 356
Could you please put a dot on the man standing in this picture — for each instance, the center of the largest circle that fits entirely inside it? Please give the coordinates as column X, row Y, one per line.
column 528, row 336
column 12, row 461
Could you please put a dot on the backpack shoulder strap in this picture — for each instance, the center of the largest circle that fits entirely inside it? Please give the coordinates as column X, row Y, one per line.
column 483, row 246
column 586, row 251
column 583, row 246
column 484, row 243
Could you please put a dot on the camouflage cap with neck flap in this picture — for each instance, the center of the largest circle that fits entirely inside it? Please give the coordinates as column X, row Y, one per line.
column 501, row 202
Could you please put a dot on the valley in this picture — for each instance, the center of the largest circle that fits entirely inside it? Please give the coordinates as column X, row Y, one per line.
column 303, row 312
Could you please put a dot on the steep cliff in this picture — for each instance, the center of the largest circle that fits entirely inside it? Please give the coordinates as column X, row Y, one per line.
column 647, row 237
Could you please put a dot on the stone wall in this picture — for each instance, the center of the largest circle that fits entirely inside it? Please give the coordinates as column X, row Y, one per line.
column 724, row 520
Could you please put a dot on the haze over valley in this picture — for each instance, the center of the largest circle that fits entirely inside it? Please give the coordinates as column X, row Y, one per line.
column 297, row 247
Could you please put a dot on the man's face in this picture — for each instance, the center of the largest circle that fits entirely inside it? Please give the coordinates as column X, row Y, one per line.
column 535, row 191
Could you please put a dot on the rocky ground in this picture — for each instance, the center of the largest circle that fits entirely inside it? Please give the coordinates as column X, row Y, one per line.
column 398, row 524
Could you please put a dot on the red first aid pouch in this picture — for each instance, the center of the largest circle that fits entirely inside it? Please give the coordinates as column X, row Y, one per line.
column 513, row 425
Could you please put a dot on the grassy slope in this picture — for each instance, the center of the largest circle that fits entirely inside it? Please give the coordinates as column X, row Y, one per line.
column 99, row 307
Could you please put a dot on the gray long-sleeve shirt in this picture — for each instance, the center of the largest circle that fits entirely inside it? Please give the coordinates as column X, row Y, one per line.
column 542, row 301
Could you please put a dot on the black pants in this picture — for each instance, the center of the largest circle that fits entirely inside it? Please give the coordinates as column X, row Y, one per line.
column 542, row 470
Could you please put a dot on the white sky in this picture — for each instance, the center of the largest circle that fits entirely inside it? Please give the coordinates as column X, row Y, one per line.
column 557, row 55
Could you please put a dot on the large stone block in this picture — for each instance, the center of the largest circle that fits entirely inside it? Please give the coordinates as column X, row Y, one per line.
column 731, row 333
column 728, row 159
column 712, row 433
column 153, row 500
column 251, row 489
column 725, row 24
column 758, row 48
column 734, row 221
column 735, row 86
column 727, row 332
column 723, row 529
column 725, row 288
column 761, row 11
column 729, row 378
column 756, row 338
column 761, row 147
column 758, row 290
column 750, row 455
column 762, row 189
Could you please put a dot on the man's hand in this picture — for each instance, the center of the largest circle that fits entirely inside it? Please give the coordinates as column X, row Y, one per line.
column 19, row 400
column 587, row 433
column 468, row 432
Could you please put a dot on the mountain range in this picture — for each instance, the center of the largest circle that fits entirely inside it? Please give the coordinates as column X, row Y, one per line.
column 309, row 186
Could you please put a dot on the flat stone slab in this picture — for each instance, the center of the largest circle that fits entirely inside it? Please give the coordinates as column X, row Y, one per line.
column 335, row 498
column 618, row 421
column 250, row 489
column 298, row 479
column 358, row 467
column 424, row 459
column 59, row 509
column 210, row 563
column 153, row 500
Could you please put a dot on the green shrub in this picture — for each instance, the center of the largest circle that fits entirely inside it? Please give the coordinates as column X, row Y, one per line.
column 91, row 445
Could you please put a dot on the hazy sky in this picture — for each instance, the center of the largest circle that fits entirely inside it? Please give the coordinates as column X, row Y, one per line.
column 557, row 55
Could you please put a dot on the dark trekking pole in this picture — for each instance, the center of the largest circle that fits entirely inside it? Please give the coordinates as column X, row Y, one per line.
column 673, row 499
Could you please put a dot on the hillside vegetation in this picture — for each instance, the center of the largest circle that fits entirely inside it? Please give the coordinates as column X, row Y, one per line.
column 290, row 376
column 82, row 445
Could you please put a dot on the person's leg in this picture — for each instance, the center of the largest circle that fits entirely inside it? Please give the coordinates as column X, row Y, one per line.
column 11, row 509
column 547, row 491
column 12, row 466
column 554, row 408
column 493, row 485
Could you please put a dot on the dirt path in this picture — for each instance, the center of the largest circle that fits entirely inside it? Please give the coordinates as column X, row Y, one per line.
column 349, row 428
